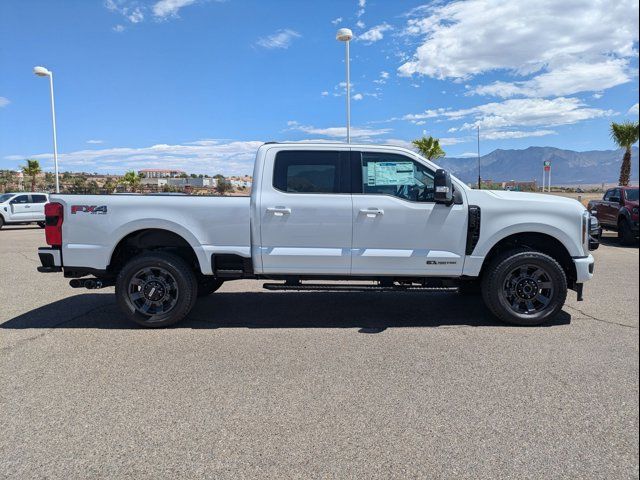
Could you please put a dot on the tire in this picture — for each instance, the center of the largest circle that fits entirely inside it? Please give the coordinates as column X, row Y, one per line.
column 42, row 224
column 208, row 285
column 156, row 289
column 625, row 234
column 524, row 287
column 1, row 222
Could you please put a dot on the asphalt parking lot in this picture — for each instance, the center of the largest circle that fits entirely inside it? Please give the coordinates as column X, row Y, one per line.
column 261, row 384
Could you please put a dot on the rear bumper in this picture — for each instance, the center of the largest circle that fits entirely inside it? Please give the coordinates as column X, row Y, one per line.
column 51, row 260
column 584, row 268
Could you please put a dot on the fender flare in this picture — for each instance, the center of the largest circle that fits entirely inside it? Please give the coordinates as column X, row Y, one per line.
column 523, row 228
column 152, row 224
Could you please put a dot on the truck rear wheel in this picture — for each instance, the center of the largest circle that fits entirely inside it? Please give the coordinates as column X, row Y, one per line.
column 625, row 234
column 156, row 289
column 524, row 287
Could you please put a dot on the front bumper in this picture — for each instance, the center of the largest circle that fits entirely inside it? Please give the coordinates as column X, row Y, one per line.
column 51, row 260
column 584, row 268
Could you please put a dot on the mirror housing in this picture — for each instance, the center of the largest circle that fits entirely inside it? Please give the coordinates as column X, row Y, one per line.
column 443, row 187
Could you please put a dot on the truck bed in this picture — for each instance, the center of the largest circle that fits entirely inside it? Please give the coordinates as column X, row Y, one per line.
column 97, row 223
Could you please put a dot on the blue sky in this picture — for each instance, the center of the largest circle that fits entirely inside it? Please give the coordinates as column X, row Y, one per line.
column 200, row 84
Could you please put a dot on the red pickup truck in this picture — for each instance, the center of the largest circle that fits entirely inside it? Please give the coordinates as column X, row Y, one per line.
column 618, row 211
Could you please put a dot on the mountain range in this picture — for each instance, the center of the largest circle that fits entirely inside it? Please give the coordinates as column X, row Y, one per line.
column 567, row 166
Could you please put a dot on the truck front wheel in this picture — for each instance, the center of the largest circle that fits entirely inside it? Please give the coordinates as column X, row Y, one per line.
column 524, row 287
column 156, row 289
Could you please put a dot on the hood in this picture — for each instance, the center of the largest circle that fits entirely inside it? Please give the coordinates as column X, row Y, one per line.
column 529, row 197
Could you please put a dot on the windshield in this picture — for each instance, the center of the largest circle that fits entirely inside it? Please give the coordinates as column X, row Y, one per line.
column 7, row 196
column 632, row 195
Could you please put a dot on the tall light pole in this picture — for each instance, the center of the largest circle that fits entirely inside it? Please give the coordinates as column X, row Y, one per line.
column 479, row 177
column 345, row 35
column 43, row 72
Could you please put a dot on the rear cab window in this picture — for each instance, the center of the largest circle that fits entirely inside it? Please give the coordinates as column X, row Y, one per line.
column 307, row 172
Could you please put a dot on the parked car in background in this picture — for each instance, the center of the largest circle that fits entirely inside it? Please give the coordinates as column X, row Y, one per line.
column 618, row 211
column 22, row 207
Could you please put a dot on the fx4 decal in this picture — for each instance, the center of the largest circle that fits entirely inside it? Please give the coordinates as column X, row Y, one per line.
column 92, row 209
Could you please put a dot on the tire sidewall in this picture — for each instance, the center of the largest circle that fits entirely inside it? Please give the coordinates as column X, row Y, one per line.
column 183, row 275
column 499, row 305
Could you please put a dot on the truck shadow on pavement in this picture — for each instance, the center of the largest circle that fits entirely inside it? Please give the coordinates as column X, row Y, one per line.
column 369, row 312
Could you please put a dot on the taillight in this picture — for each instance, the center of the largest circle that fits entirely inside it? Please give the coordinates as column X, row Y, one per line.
column 53, row 223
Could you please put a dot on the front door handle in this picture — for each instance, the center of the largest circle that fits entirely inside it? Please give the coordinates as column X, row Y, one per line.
column 372, row 212
column 279, row 211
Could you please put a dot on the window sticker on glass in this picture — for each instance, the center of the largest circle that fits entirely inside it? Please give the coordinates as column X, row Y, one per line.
column 390, row 173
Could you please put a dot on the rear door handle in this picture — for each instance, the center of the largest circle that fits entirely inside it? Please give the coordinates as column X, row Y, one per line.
column 372, row 212
column 279, row 211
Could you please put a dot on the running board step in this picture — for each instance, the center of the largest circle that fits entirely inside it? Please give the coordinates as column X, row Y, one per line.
column 355, row 288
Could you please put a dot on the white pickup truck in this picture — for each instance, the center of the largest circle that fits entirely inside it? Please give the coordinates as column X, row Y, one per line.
column 22, row 207
column 326, row 212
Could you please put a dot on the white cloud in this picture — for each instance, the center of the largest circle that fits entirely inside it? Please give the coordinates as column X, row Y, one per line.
column 360, row 24
column 324, row 93
column 336, row 21
column 511, row 134
column 136, row 16
column 205, row 156
column 169, row 8
column 118, row 28
column 95, row 142
column 527, row 112
column 597, row 96
column 384, row 76
column 280, row 39
column 4, row 101
column 357, row 96
column 563, row 80
column 374, row 34
column 563, row 42
column 339, row 132
column 362, row 3
column 634, row 110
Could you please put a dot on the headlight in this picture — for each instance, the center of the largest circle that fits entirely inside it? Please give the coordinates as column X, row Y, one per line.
column 594, row 224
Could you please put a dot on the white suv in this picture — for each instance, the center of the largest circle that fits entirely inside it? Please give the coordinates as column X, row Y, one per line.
column 23, row 207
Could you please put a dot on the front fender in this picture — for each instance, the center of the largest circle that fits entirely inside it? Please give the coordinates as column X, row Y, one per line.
column 487, row 243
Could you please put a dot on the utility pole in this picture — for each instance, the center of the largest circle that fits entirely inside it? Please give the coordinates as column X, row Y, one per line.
column 479, row 178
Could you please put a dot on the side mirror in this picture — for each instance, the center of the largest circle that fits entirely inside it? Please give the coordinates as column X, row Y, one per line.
column 443, row 187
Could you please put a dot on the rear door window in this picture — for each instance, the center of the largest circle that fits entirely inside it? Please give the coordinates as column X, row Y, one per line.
column 308, row 171
column 39, row 198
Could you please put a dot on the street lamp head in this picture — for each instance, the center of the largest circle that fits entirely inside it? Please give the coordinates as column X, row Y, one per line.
column 41, row 72
column 344, row 35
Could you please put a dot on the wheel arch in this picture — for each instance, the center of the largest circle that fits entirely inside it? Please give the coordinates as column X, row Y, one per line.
column 538, row 241
column 152, row 239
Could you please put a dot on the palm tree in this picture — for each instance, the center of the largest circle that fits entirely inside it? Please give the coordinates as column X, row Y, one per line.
column 223, row 186
column 32, row 169
column 132, row 179
column 429, row 147
column 624, row 135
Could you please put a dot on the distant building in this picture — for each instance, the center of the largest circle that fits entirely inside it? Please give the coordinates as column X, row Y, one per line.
column 238, row 182
column 160, row 173
column 520, row 186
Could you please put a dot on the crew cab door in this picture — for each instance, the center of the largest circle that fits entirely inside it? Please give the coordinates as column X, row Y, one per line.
column 398, row 229
column 21, row 209
column 38, row 201
column 305, row 212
